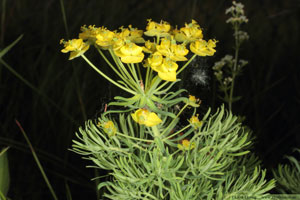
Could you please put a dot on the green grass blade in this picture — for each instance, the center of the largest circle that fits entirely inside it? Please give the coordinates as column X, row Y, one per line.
column 37, row 161
column 4, row 172
column 68, row 191
column 3, row 22
column 6, row 49
column 64, row 17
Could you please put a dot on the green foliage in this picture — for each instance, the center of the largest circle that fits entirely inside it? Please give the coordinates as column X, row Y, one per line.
column 4, row 173
column 218, row 167
column 288, row 176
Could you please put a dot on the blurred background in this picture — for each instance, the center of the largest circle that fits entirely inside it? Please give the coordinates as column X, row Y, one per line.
column 51, row 96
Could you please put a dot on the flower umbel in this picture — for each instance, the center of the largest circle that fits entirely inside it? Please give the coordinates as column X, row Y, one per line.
column 195, row 122
column 171, row 50
column 130, row 53
column 108, row 127
column 144, row 116
column 76, row 46
column 158, row 29
column 193, row 101
column 189, row 33
column 203, row 48
column 186, row 145
column 104, row 38
column 167, row 71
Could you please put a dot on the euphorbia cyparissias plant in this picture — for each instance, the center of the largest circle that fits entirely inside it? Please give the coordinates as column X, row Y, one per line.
column 148, row 148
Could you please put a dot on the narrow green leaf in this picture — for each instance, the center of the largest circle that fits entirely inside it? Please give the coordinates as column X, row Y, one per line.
column 4, row 172
column 6, row 49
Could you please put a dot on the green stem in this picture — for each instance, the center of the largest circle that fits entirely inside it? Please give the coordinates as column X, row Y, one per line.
column 158, row 140
column 106, row 77
column 147, row 78
column 179, row 113
column 180, row 70
column 137, row 79
column 181, row 130
column 135, row 76
column 186, row 64
column 234, row 70
column 134, row 138
column 122, row 68
column 139, row 72
column 64, row 17
column 161, row 86
column 121, row 75
column 156, row 131
column 153, row 86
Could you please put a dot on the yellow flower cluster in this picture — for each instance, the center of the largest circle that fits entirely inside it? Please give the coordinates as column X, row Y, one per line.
column 76, row 46
column 186, row 145
column 108, row 127
column 161, row 29
column 195, row 122
column 190, row 33
column 193, row 101
column 169, row 47
column 144, row 116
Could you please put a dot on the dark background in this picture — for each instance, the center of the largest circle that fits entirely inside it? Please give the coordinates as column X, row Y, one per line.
column 71, row 92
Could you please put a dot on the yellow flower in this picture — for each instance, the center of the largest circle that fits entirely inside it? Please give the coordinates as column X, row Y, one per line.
column 167, row 71
column 118, row 43
column 76, row 46
column 195, row 122
column 144, row 116
column 136, row 35
column 179, row 52
column 164, row 46
column 109, row 128
column 186, row 145
column 158, row 29
column 89, row 33
column 150, row 47
column 193, row 101
column 189, row 33
column 130, row 53
column 203, row 48
column 155, row 60
column 192, row 98
column 105, row 38
column 131, row 34
column 171, row 50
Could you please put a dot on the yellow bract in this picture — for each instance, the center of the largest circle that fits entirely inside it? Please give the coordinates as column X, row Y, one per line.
column 150, row 47
column 193, row 101
column 171, row 50
column 158, row 29
column 130, row 53
column 155, row 61
column 105, row 38
column 195, row 122
column 131, row 34
column 89, row 33
column 109, row 128
column 144, row 116
column 189, row 33
column 76, row 46
column 203, row 48
column 186, row 145
column 167, row 71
